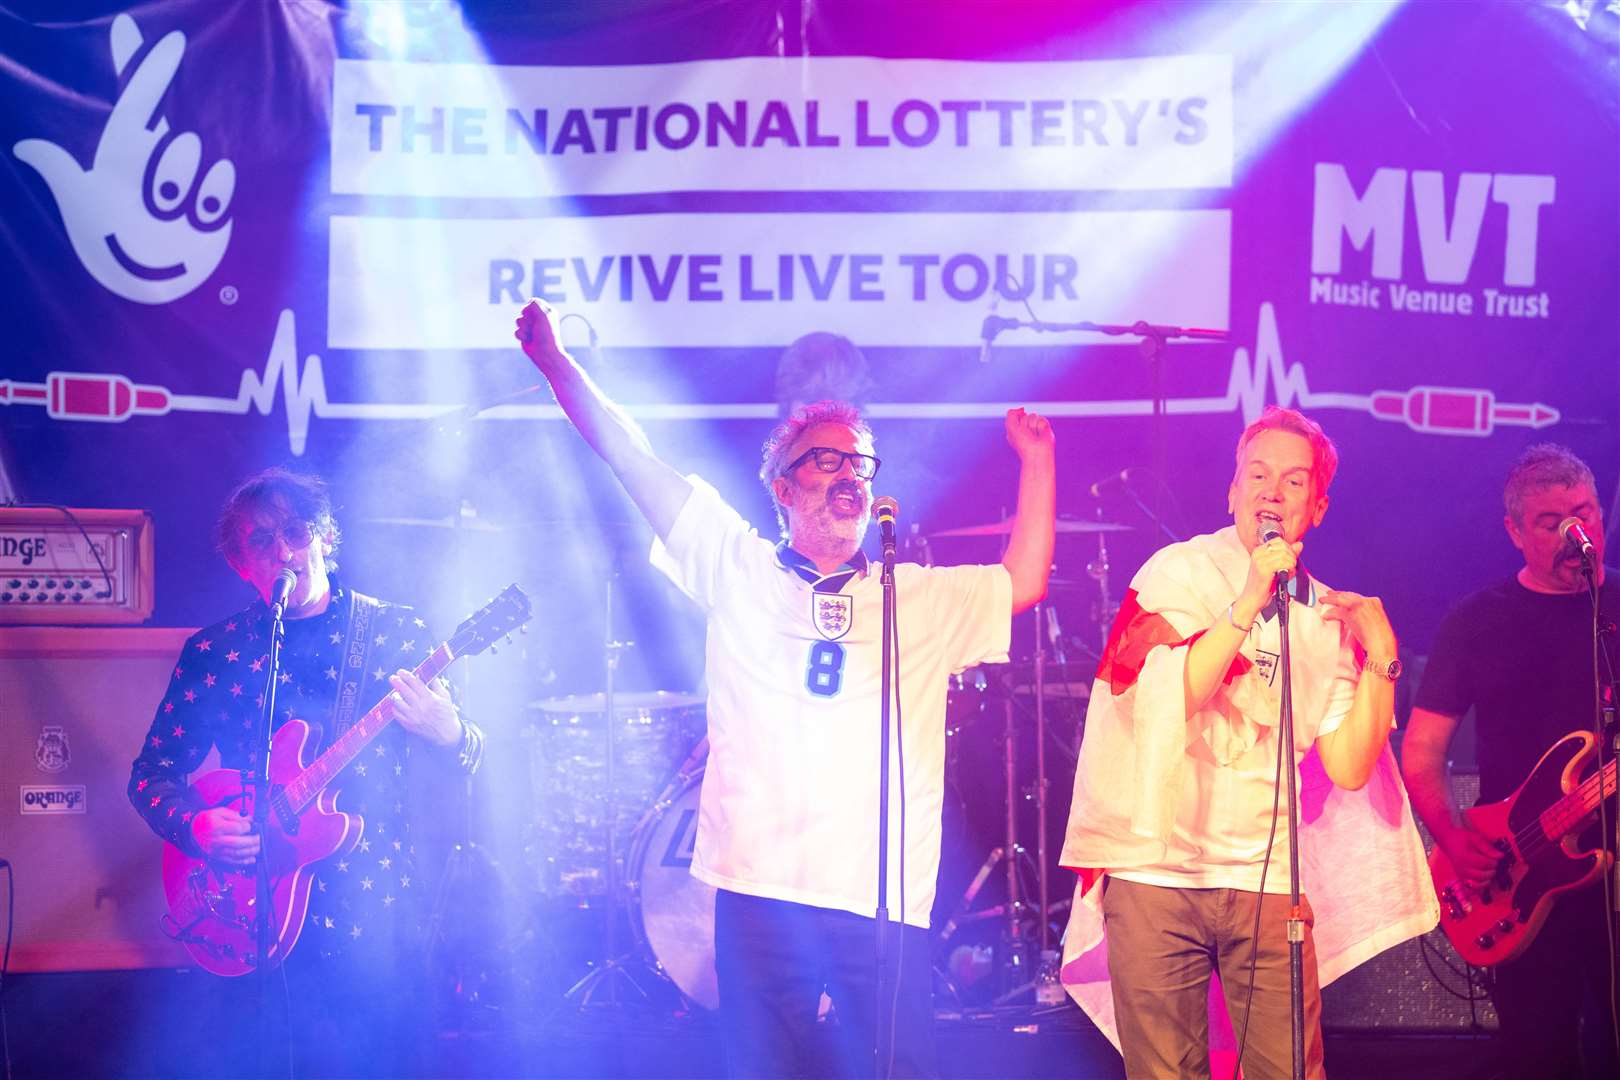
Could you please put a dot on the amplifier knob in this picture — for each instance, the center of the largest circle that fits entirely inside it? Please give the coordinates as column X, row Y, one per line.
column 78, row 597
column 50, row 583
column 59, row 597
column 5, row 598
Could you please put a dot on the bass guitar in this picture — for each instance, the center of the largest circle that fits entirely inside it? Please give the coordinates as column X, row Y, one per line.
column 1536, row 831
column 212, row 908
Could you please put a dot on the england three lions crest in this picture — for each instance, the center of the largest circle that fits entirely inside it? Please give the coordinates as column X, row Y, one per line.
column 832, row 613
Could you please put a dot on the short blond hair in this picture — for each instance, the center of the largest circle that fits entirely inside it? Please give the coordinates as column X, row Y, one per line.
column 1324, row 455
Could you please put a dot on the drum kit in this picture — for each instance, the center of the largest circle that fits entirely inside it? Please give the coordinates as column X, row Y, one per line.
column 627, row 843
column 616, row 780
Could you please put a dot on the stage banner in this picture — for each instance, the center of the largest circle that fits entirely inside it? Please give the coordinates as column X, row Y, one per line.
column 244, row 234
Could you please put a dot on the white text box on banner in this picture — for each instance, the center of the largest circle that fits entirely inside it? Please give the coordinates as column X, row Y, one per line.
column 679, row 280
column 771, row 124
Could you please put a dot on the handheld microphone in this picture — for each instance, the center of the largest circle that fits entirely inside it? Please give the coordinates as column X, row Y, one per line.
column 1268, row 533
column 886, row 509
column 1574, row 534
column 280, row 589
column 1121, row 477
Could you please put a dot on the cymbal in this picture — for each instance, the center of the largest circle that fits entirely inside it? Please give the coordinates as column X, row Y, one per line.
column 469, row 524
column 474, row 523
column 1072, row 690
column 1062, row 525
column 628, row 701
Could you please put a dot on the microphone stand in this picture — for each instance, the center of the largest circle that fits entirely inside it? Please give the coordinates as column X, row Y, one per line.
column 1607, row 732
column 1136, row 500
column 882, row 1044
column 1296, row 915
column 263, row 932
column 1154, row 340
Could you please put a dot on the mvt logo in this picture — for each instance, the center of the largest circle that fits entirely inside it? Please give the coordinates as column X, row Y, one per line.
column 1447, row 240
column 139, row 219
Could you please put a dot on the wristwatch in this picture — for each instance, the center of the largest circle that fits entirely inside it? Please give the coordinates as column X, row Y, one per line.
column 1390, row 669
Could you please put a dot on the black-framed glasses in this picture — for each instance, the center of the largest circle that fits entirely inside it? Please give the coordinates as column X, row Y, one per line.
column 829, row 460
column 296, row 534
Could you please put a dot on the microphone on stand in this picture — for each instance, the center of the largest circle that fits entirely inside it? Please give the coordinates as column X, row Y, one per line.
column 886, row 508
column 280, row 589
column 987, row 334
column 1574, row 534
column 990, row 327
column 1121, row 477
column 917, row 549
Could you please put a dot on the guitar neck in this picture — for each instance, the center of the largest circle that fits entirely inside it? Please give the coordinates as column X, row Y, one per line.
column 1567, row 814
column 309, row 783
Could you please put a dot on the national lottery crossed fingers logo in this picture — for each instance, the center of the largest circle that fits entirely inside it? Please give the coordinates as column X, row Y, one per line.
column 145, row 219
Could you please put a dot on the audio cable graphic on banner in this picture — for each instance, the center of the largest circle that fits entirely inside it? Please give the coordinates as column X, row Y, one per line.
column 1430, row 410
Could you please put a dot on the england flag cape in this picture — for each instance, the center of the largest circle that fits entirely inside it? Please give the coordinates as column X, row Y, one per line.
column 1361, row 859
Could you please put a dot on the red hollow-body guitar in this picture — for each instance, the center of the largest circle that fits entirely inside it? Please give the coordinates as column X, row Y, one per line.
column 1536, row 830
column 212, row 909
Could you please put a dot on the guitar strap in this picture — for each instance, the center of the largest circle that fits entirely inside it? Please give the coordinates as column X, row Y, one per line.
column 357, row 640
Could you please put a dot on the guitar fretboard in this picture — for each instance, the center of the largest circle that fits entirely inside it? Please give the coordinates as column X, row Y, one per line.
column 307, row 786
column 1567, row 814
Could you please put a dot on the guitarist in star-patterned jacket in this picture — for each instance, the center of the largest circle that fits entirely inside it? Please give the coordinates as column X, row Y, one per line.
column 354, row 987
column 1519, row 654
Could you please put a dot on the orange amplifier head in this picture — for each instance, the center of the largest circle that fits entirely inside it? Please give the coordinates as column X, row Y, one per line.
column 71, row 567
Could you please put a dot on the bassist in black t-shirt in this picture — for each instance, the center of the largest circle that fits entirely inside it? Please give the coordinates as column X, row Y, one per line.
column 1519, row 653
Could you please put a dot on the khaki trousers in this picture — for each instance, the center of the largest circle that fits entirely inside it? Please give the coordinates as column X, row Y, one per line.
column 1163, row 944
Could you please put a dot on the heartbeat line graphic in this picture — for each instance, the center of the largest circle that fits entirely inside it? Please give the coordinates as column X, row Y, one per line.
column 1430, row 410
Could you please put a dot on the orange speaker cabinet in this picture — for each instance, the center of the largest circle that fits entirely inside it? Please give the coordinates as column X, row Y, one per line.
column 75, row 703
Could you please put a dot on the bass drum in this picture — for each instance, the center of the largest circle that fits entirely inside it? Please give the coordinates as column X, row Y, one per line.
column 672, row 912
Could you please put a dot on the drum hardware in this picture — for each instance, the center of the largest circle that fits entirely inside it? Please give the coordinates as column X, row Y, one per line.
column 1016, row 947
column 1062, row 525
column 1009, row 853
column 616, row 968
column 672, row 912
column 1097, row 570
column 573, row 809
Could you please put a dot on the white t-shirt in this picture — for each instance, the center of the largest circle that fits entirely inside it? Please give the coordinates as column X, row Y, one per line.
column 790, row 796
column 1224, row 817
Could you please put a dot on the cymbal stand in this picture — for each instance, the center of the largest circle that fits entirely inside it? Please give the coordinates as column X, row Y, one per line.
column 454, row 945
column 1017, row 959
column 615, row 966
column 1097, row 569
column 1016, row 908
column 1043, row 884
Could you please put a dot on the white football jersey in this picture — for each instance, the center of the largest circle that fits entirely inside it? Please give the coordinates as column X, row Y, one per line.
column 790, row 796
